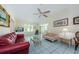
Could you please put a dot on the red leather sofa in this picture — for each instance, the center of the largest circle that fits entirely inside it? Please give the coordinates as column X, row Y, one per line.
column 13, row 43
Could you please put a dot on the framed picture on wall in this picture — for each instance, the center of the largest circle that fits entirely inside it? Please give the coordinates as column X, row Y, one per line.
column 62, row 22
column 4, row 17
column 76, row 20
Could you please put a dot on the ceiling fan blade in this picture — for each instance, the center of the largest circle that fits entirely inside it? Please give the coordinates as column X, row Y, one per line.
column 39, row 16
column 35, row 13
column 47, row 11
column 45, row 15
column 39, row 10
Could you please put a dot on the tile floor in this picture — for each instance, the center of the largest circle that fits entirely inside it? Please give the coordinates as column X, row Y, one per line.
column 47, row 47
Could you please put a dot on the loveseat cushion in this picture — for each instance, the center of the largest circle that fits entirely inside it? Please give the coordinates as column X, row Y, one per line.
column 8, row 39
column 5, row 41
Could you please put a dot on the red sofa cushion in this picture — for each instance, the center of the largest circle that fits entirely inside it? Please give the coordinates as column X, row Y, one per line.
column 8, row 39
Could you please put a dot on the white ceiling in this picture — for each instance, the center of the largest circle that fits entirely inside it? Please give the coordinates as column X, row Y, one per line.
column 24, row 12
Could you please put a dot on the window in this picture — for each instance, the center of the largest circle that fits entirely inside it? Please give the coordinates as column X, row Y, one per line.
column 28, row 28
column 44, row 27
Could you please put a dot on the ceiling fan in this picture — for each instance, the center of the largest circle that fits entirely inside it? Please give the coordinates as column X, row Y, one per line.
column 40, row 13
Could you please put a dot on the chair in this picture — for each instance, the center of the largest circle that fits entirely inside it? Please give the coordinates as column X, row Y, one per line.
column 76, row 39
column 36, row 40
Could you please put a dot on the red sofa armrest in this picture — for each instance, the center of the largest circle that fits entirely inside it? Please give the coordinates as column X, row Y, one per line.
column 18, row 47
column 20, row 38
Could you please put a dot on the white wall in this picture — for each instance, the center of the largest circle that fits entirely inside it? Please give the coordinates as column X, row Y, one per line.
column 69, row 13
column 5, row 30
column 12, row 24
